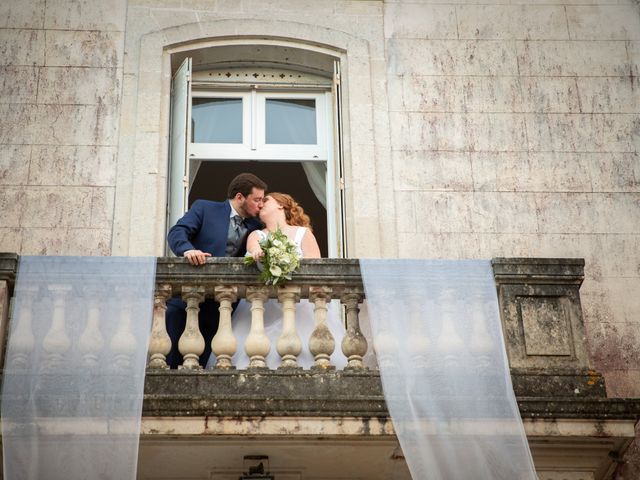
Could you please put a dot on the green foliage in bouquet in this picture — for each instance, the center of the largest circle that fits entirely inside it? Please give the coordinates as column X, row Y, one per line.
column 280, row 258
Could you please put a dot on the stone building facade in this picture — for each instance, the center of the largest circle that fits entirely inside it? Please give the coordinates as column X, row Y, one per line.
column 467, row 130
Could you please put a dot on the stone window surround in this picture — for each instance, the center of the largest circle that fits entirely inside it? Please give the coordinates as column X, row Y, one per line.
column 139, row 223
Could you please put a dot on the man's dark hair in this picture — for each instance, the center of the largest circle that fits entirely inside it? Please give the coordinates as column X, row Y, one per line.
column 244, row 184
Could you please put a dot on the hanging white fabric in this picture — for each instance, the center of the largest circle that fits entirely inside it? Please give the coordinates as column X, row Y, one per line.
column 74, row 369
column 444, row 369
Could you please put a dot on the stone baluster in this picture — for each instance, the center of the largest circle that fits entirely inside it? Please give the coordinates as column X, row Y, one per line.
column 22, row 338
column 191, row 343
column 56, row 342
column 481, row 344
column 123, row 343
column 385, row 342
column 91, row 341
column 449, row 344
column 159, row 342
column 224, row 343
column 258, row 344
column 289, row 345
column 419, row 344
column 354, row 345
column 321, row 343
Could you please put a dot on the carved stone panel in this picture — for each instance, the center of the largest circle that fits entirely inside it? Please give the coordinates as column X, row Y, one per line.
column 541, row 313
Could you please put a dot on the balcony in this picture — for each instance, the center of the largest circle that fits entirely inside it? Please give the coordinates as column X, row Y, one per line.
column 326, row 422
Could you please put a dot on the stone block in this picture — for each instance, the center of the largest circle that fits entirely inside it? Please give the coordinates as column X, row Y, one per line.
column 17, row 123
column 66, row 241
column 359, row 7
column 623, row 384
column 86, row 15
column 618, row 212
column 71, row 165
column 567, row 213
column 77, row 124
column 14, row 164
column 84, row 49
column 443, row 212
column 544, row 172
column 625, row 262
column 16, row 14
column 581, row 133
column 589, row 213
column 361, row 115
column 604, row 22
column 634, row 57
column 550, row 94
column 435, row 246
column 366, row 238
column 609, row 94
column 413, row 20
column 363, row 168
column 102, row 207
column 79, row 86
column 568, row 58
column 458, row 131
column 11, row 206
column 406, row 219
column 166, row 18
column 22, row 47
column 420, row 170
column 57, row 207
column 158, row 3
column 271, row 7
column 433, row 93
column 514, row 212
column 484, row 168
column 615, row 346
column 505, row 22
column 492, row 94
column 451, row 57
column 18, row 84
column 10, row 239
column 614, row 172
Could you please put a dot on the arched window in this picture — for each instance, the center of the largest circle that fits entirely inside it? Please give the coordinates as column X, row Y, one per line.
column 268, row 109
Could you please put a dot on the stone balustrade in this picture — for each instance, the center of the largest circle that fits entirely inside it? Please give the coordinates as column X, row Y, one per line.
column 539, row 300
column 227, row 280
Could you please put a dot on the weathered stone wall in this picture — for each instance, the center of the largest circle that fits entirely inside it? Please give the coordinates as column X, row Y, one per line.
column 515, row 131
column 471, row 130
column 60, row 83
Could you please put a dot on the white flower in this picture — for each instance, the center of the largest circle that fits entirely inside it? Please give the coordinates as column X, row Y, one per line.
column 275, row 270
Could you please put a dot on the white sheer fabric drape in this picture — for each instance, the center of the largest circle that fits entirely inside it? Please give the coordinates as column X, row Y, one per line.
column 316, row 173
column 444, row 370
column 74, row 370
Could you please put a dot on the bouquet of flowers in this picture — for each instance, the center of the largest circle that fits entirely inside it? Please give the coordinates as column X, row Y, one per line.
column 280, row 258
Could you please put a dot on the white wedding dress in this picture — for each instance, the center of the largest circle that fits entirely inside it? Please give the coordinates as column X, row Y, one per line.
column 305, row 324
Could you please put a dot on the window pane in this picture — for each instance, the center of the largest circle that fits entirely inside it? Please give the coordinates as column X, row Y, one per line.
column 216, row 120
column 291, row 121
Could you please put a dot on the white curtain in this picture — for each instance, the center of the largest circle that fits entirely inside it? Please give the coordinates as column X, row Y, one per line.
column 316, row 173
column 74, row 370
column 444, row 370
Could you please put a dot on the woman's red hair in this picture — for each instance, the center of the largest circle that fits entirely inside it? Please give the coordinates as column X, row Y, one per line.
column 293, row 212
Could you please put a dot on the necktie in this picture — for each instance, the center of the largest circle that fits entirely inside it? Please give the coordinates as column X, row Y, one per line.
column 236, row 233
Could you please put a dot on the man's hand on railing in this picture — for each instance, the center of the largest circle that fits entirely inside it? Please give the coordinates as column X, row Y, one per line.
column 196, row 257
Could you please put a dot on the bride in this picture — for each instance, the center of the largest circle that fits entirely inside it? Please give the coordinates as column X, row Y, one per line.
column 282, row 211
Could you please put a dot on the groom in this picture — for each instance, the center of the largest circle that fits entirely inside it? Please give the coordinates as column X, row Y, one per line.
column 218, row 229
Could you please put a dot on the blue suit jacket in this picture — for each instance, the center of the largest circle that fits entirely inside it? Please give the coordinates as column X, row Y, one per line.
column 205, row 227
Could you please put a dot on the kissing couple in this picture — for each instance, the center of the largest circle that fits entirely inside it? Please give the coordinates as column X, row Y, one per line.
column 234, row 228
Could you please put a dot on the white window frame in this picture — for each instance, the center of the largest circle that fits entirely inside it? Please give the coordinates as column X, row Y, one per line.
column 203, row 150
column 186, row 156
column 254, row 146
